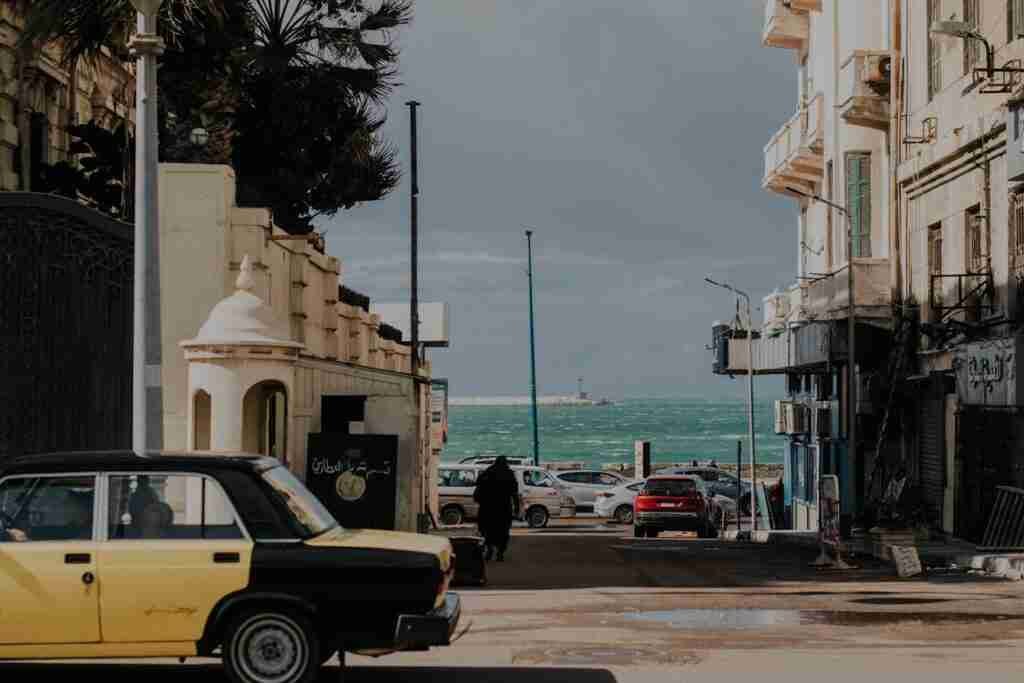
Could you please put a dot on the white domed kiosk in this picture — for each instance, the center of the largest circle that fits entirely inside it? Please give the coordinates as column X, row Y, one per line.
column 241, row 376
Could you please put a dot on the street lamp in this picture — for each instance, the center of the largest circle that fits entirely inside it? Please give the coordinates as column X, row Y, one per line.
column 147, row 393
column 750, row 409
column 851, row 325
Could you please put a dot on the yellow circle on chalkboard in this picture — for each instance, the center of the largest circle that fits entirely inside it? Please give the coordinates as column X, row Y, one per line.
column 350, row 486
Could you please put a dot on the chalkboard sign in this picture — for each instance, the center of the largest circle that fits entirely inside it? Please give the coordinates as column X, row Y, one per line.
column 355, row 477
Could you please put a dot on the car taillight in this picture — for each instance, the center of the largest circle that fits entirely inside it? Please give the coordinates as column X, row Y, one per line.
column 644, row 503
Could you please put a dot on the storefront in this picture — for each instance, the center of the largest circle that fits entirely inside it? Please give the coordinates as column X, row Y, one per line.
column 990, row 430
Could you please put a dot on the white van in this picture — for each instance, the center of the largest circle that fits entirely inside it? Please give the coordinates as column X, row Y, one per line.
column 540, row 496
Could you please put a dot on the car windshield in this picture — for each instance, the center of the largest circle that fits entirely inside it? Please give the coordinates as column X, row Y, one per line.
column 670, row 487
column 308, row 513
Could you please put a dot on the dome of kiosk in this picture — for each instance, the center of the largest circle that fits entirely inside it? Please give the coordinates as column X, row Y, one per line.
column 244, row 319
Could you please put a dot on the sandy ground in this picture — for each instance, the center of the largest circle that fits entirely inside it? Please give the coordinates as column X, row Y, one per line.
column 583, row 603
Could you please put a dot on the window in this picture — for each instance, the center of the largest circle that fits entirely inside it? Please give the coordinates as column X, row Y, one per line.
column 828, row 217
column 458, row 478
column 972, row 48
column 47, row 509
column 1017, row 247
column 858, row 197
column 169, row 507
column 934, row 55
column 935, row 265
column 308, row 515
column 608, row 480
column 709, row 475
column 635, row 487
column 974, row 235
column 576, row 477
column 670, row 487
column 1014, row 20
column 537, row 478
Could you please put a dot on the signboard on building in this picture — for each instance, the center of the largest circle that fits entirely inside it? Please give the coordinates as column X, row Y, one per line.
column 433, row 331
column 438, row 412
column 986, row 373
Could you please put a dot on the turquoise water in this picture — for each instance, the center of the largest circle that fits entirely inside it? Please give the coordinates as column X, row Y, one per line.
column 678, row 429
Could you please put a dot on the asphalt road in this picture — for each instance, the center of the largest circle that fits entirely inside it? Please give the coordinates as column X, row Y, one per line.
column 593, row 605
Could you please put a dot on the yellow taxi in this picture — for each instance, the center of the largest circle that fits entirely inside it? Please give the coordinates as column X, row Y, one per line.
column 114, row 555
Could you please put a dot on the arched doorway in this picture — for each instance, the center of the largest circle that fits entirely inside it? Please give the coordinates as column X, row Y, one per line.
column 201, row 412
column 265, row 420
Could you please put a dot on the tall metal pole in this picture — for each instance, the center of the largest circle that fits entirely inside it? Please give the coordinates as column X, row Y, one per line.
column 750, row 417
column 533, row 352
column 414, row 304
column 147, row 391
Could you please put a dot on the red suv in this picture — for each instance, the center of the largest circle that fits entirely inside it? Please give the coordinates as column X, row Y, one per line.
column 674, row 503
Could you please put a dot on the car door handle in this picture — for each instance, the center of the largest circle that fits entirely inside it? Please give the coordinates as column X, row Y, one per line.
column 77, row 558
column 226, row 558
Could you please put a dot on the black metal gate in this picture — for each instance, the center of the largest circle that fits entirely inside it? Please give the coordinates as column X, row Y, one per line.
column 65, row 326
column 988, row 456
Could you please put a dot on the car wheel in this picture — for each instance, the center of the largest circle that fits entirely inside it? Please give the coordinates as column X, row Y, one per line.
column 452, row 516
column 710, row 531
column 638, row 532
column 651, row 533
column 537, row 517
column 271, row 646
column 624, row 514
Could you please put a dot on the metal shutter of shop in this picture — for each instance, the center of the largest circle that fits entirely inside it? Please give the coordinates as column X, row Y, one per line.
column 932, row 456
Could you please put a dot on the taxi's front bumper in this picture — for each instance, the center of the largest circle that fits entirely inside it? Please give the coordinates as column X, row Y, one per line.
column 435, row 628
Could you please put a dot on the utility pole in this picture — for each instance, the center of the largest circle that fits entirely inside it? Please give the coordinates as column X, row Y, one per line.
column 414, row 304
column 533, row 352
column 750, row 408
column 147, row 390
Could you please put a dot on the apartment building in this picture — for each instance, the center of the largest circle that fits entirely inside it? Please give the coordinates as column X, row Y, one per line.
column 904, row 160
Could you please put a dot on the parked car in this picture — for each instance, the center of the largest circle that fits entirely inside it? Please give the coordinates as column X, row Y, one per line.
column 584, row 485
column 541, row 497
column 674, row 503
column 617, row 503
column 489, row 460
column 720, row 483
column 189, row 556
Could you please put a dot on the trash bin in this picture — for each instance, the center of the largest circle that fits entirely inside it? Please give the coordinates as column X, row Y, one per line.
column 470, row 567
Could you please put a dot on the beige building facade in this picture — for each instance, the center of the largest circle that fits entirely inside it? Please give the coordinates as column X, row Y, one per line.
column 262, row 351
column 40, row 100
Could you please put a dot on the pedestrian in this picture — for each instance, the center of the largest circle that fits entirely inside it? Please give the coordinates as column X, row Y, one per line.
column 497, row 493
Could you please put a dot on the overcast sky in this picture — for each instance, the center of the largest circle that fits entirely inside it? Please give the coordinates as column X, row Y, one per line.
column 630, row 135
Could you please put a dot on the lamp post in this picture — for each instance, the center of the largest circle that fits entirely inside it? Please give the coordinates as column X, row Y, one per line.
column 750, row 408
column 533, row 353
column 147, row 392
column 851, row 325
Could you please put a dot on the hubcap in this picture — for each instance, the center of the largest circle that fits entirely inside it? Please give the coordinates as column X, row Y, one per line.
column 271, row 649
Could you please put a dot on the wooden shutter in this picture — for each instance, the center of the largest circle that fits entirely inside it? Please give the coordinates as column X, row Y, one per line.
column 858, row 197
column 1014, row 20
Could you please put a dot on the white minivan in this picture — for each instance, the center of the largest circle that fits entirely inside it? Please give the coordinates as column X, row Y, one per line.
column 540, row 496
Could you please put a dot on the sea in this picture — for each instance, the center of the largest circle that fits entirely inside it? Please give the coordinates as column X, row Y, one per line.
column 680, row 430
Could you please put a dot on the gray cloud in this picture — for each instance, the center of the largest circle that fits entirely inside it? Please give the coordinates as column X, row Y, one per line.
column 630, row 136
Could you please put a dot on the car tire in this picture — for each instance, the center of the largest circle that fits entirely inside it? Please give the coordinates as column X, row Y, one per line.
column 271, row 646
column 651, row 533
column 624, row 514
column 453, row 515
column 537, row 517
column 638, row 532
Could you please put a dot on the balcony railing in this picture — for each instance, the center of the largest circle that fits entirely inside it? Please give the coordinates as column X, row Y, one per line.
column 968, row 293
column 864, row 89
column 795, row 155
column 785, row 26
column 829, row 297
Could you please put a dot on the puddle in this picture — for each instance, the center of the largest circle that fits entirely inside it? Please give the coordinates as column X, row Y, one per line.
column 711, row 619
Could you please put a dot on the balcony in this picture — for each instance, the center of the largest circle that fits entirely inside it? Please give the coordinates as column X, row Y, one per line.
column 864, row 89
column 785, row 26
column 795, row 155
column 829, row 297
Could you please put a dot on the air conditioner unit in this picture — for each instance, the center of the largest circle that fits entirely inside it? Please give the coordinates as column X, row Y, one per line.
column 780, row 417
column 822, row 421
column 877, row 70
column 796, row 418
